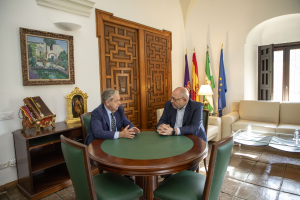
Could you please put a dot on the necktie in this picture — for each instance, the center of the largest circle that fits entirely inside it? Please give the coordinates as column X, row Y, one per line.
column 113, row 123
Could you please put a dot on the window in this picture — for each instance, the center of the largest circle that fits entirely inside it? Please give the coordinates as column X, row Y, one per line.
column 279, row 72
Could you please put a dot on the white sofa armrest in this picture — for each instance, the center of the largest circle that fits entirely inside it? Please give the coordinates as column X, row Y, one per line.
column 215, row 121
column 227, row 121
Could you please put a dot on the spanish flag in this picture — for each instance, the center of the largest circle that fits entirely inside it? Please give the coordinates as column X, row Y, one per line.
column 195, row 84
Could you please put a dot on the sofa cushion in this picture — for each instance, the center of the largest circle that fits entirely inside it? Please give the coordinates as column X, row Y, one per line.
column 287, row 128
column 260, row 111
column 255, row 125
column 289, row 113
column 212, row 132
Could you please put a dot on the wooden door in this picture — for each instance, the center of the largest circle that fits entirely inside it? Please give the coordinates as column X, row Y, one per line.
column 157, row 76
column 135, row 60
column 265, row 72
column 121, row 67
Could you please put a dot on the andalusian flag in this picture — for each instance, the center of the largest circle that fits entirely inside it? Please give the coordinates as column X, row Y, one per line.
column 195, row 84
column 209, row 80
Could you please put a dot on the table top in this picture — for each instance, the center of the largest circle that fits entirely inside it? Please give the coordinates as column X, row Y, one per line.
column 281, row 141
column 141, row 147
column 148, row 153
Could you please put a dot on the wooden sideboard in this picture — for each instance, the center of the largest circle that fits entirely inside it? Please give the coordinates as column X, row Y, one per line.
column 40, row 163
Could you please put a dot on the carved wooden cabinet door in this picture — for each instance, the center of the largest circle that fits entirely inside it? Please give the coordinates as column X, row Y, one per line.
column 135, row 60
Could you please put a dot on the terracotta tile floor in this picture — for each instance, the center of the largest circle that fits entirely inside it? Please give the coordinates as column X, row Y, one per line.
column 262, row 173
column 254, row 173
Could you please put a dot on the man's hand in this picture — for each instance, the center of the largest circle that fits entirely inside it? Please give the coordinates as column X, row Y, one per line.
column 165, row 129
column 135, row 129
column 127, row 133
column 163, row 126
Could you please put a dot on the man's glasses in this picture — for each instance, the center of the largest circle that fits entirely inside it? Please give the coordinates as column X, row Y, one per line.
column 172, row 98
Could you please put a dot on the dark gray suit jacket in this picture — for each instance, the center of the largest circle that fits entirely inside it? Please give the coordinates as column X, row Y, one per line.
column 192, row 118
column 99, row 127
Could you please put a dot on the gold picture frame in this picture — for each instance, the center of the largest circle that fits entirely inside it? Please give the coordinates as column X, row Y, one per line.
column 76, row 103
column 47, row 58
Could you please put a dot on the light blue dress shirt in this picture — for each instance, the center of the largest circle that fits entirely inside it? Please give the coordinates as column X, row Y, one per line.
column 179, row 118
column 116, row 136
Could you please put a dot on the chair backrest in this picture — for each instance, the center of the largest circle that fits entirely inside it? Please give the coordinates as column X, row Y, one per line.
column 159, row 113
column 85, row 122
column 218, row 163
column 205, row 119
column 78, row 164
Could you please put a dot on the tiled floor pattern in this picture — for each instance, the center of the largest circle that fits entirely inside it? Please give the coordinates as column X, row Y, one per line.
column 254, row 173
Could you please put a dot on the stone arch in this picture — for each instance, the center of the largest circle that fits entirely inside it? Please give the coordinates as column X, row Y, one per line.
column 281, row 29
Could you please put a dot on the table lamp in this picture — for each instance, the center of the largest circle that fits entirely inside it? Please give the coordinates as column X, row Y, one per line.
column 205, row 90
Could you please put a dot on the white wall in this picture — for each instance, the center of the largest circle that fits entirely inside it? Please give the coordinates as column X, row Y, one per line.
column 213, row 22
column 27, row 14
column 282, row 29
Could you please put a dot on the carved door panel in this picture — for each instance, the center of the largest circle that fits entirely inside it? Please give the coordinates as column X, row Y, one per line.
column 135, row 60
column 121, row 67
column 157, row 74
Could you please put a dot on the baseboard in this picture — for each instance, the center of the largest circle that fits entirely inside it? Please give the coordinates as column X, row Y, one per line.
column 8, row 186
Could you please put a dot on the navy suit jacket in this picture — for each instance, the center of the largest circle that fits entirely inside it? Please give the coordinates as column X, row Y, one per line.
column 99, row 127
column 192, row 118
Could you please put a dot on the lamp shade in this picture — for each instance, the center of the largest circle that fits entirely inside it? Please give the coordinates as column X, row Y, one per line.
column 205, row 90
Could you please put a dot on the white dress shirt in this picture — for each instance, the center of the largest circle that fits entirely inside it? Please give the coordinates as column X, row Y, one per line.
column 179, row 118
column 116, row 136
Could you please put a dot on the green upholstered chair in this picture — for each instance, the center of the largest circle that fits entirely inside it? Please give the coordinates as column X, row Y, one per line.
column 101, row 186
column 85, row 122
column 191, row 185
column 205, row 119
column 205, row 124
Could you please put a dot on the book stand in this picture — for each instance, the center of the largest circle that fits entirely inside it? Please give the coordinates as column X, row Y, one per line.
column 33, row 116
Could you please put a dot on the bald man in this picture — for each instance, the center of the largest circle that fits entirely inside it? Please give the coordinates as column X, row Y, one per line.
column 182, row 116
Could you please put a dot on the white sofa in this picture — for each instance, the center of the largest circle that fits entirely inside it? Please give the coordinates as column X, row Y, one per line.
column 279, row 117
column 213, row 129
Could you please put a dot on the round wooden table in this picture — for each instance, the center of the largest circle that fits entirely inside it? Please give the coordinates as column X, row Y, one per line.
column 148, row 155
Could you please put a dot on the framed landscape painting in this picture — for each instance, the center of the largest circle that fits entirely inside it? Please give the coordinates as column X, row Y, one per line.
column 47, row 58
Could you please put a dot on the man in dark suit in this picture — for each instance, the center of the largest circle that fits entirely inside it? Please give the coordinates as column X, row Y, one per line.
column 182, row 116
column 108, row 119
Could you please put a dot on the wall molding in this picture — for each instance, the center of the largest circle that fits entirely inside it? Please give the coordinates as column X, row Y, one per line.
column 79, row 7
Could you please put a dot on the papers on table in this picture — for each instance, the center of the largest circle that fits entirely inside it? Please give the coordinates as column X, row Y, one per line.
column 252, row 139
column 284, row 145
column 283, row 142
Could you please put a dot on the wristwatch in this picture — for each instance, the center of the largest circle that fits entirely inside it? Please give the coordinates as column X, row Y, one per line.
column 173, row 132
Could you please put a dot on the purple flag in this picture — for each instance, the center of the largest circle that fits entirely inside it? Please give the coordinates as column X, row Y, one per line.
column 187, row 83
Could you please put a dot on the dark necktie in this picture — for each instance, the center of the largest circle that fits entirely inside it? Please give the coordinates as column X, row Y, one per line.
column 113, row 123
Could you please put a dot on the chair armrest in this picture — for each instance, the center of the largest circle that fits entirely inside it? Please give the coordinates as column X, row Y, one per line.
column 215, row 121
column 227, row 121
